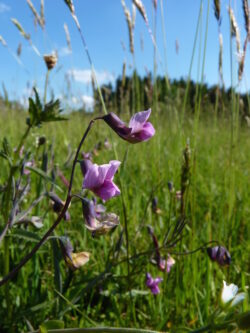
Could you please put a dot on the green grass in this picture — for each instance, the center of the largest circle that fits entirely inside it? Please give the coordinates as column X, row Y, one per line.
column 98, row 293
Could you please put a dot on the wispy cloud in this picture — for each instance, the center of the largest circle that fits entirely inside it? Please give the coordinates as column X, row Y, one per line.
column 85, row 101
column 64, row 52
column 4, row 8
column 88, row 102
column 84, row 76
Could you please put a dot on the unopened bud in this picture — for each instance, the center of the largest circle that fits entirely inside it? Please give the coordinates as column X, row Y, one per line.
column 50, row 60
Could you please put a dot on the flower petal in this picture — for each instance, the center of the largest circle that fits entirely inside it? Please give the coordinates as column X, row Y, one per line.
column 138, row 120
column 238, row 298
column 95, row 176
column 114, row 165
column 107, row 190
column 228, row 292
column 146, row 132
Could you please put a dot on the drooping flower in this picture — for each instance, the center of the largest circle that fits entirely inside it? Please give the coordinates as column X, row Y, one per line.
column 230, row 296
column 163, row 264
column 152, row 283
column 58, row 205
column 99, row 178
column 154, row 205
column 27, row 165
column 170, row 263
column 73, row 260
column 97, row 221
column 138, row 129
column 219, row 254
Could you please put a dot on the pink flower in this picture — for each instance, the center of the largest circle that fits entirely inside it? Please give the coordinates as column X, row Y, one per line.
column 138, row 129
column 99, row 178
column 152, row 284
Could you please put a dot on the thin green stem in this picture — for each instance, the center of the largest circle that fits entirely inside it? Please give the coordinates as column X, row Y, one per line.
column 21, row 142
column 191, row 65
column 46, row 87
column 164, row 43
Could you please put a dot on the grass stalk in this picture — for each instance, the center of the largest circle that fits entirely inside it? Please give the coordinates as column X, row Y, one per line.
column 191, row 64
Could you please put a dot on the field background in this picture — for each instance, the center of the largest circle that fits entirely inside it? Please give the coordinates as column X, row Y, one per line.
column 101, row 293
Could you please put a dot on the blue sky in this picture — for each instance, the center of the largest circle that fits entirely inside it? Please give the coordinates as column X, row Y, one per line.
column 105, row 29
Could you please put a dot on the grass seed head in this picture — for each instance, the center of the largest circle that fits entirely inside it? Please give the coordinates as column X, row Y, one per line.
column 2, row 41
column 130, row 26
column 42, row 17
column 20, row 28
column 217, row 10
column 142, row 10
column 67, row 36
column 220, row 57
column 235, row 32
column 246, row 12
column 35, row 13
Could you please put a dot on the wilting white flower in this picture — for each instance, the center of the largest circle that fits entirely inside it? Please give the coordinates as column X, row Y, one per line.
column 229, row 294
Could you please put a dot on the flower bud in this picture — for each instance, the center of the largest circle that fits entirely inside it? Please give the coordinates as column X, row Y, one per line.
column 50, row 60
column 219, row 254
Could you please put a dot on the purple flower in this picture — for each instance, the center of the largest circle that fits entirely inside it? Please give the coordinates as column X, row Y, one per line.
column 58, row 205
column 138, row 129
column 152, row 284
column 219, row 254
column 99, row 178
column 97, row 221
column 27, row 165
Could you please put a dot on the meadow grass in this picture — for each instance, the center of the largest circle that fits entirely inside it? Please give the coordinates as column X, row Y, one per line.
column 110, row 290
column 98, row 293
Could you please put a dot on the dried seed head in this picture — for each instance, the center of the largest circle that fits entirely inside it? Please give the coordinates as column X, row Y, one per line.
column 123, row 74
column 235, row 32
column 19, row 49
column 50, row 60
column 241, row 60
column 20, row 28
column 133, row 15
column 217, row 10
column 220, row 57
column 35, row 13
column 70, row 4
column 246, row 16
column 142, row 10
column 130, row 26
column 42, row 17
column 177, row 46
column 67, row 36
column 2, row 41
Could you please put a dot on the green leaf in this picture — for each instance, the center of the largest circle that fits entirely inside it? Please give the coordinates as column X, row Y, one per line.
column 43, row 174
column 52, row 324
column 25, row 234
column 41, row 114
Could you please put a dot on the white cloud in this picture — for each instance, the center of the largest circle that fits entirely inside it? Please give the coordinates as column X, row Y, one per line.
column 64, row 52
column 4, row 7
column 88, row 101
column 84, row 76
